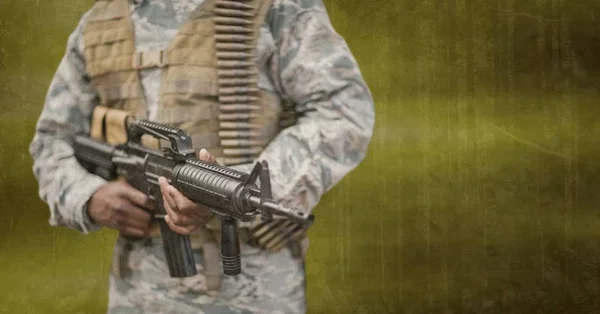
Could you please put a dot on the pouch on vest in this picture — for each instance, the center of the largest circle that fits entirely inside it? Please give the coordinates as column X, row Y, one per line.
column 109, row 125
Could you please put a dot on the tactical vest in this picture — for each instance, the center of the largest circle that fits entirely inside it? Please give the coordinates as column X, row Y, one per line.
column 209, row 84
column 209, row 88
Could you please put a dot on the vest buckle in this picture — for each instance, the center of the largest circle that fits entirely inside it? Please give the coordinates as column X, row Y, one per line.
column 148, row 59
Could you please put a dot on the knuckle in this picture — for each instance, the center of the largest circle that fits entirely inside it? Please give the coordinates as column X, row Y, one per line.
column 184, row 204
column 120, row 220
column 116, row 224
column 176, row 219
column 119, row 188
column 118, row 206
column 182, row 207
column 170, row 206
column 132, row 232
column 178, row 204
column 146, row 218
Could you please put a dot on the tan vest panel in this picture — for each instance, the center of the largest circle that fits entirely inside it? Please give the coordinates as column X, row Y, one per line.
column 209, row 86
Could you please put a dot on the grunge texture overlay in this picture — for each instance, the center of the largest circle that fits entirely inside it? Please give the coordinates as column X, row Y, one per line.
column 478, row 194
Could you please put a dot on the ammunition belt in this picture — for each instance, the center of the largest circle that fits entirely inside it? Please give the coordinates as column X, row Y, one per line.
column 237, row 80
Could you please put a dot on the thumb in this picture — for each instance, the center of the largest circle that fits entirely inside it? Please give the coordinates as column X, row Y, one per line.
column 205, row 156
column 135, row 196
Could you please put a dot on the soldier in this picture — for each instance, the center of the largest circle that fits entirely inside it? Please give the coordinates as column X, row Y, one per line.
column 249, row 80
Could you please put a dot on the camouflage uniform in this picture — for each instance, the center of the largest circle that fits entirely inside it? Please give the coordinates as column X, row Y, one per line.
column 313, row 67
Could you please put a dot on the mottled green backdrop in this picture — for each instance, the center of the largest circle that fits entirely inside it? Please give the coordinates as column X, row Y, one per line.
column 478, row 193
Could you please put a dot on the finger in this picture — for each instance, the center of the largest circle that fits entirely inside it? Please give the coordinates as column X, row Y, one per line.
column 132, row 215
column 181, row 206
column 179, row 229
column 202, row 214
column 126, row 221
column 177, row 218
column 182, row 203
column 163, row 183
column 134, row 232
column 169, row 209
column 137, row 197
column 174, row 198
column 167, row 199
column 205, row 156
column 188, row 208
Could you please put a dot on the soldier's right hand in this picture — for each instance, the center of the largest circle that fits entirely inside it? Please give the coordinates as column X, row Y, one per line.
column 120, row 206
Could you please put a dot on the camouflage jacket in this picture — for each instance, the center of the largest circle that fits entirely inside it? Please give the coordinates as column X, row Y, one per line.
column 311, row 65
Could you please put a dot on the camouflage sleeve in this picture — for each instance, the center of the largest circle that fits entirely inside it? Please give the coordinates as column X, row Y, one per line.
column 314, row 68
column 63, row 184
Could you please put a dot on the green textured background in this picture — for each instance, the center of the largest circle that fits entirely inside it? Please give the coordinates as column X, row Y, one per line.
column 478, row 193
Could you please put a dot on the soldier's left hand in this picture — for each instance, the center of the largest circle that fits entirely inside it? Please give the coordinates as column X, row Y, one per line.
column 183, row 215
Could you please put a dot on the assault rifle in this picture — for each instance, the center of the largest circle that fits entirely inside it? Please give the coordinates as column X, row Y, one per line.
column 232, row 195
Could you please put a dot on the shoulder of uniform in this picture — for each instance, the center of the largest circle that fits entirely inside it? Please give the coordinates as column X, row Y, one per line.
column 108, row 9
column 284, row 13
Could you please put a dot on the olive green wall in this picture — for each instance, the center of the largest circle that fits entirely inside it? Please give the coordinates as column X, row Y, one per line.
column 478, row 193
